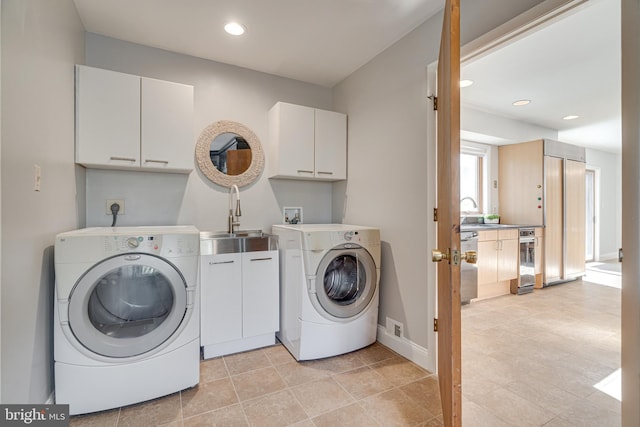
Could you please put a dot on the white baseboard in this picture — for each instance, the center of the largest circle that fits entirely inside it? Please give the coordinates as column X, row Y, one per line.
column 51, row 399
column 408, row 349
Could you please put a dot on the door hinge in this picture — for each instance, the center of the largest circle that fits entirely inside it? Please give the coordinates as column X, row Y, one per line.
column 435, row 324
column 435, row 101
column 435, row 214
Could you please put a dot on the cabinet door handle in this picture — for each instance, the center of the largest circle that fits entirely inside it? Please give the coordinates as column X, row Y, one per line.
column 304, row 171
column 124, row 159
column 221, row 262
column 261, row 259
column 164, row 162
column 324, row 173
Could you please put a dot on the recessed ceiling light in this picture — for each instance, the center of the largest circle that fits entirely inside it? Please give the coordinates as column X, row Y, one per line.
column 570, row 117
column 466, row 83
column 234, row 29
column 522, row 102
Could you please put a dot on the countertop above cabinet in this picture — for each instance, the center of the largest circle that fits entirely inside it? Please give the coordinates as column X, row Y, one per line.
column 307, row 143
column 130, row 122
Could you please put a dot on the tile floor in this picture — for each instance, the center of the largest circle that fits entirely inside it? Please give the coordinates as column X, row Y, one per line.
column 267, row 387
column 535, row 359
column 529, row 360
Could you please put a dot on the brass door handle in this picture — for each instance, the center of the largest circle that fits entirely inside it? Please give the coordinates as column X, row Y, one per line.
column 437, row 256
column 470, row 256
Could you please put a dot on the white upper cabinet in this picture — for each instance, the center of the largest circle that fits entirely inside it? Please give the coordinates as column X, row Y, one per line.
column 131, row 122
column 307, row 143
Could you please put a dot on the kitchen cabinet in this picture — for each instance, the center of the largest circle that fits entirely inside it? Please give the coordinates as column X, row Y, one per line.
column 542, row 182
column 130, row 122
column 498, row 252
column 538, row 266
column 239, row 301
column 307, row 143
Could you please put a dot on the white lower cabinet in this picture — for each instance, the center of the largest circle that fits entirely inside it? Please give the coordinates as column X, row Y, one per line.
column 240, row 303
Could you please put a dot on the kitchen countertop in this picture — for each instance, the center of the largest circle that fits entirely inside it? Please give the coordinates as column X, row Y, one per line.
column 483, row 227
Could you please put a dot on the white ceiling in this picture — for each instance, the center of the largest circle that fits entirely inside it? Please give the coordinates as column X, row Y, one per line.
column 315, row 41
column 570, row 67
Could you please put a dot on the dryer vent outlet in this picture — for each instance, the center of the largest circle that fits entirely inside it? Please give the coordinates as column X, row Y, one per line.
column 395, row 328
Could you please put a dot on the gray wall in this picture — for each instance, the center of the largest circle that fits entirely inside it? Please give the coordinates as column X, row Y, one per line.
column 222, row 92
column 388, row 157
column 41, row 40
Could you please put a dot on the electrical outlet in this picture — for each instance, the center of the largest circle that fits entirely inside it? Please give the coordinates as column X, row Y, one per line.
column 112, row 201
column 395, row 328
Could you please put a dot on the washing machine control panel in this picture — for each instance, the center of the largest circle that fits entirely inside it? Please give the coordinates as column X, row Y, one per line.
column 147, row 243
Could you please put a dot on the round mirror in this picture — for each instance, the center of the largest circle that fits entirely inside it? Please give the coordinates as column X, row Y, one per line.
column 229, row 153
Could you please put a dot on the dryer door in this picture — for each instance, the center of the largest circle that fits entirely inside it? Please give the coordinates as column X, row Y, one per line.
column 128, row 305
column 346, row 281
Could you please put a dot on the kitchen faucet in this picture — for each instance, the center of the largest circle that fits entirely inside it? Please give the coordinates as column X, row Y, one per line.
column 475, row 205
column 233, row 222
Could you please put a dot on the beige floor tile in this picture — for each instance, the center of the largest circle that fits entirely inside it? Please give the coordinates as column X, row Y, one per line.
column 278, row 354
column 97, row 419
column 152, row 413
column 321, row 396
column 395, row 408
column 338, row 364
column 363, row 382
column 230, row 416
column 514, row 409
column 212, row 369
column 586, row 414
column 399, row 371
column 244, row 362
column 208, row 397
column 426, row 392
column 257, row 383
column 278, row 409
column 374, row 353
column 474, row 415
column 349, row 416
column 296, row 373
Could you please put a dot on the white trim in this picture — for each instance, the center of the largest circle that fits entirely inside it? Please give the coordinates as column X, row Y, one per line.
column 51, row 399
column 540, row 15
column 607, row 256
column 406, row 348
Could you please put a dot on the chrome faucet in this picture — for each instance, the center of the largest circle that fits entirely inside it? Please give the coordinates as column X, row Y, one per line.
column 475, row 205
column 234, row 220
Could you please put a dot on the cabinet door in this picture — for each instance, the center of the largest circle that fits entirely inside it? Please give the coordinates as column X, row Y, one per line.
column 260, row 297
column 487, row 261
column 508, row 259
column 221, row 298
column 574, row 205
column 107, row 118
column 292, row 134
column 330, row 145
column 167, row 141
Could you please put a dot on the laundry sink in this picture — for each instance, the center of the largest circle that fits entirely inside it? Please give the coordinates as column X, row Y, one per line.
column 220, row 242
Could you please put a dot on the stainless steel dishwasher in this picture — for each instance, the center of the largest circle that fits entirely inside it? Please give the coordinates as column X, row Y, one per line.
column 468, row 272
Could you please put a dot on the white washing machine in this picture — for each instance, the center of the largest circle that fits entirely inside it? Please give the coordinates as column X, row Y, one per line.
column 126, row 315
column 329, row 276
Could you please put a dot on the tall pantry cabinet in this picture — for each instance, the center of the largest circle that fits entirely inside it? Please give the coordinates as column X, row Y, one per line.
column 542, row 182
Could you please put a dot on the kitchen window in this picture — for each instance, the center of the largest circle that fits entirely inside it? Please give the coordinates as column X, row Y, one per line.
column 471, row 182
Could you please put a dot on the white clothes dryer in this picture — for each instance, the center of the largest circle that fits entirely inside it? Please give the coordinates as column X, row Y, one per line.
column 329, row 277
column 126, row 315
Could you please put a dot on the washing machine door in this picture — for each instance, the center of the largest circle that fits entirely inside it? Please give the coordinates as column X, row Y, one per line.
column 346, row 281
column 128, row 305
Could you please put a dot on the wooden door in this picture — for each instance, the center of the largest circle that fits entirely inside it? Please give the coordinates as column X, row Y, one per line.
column 575, row 205
column 448, row 205
column 553, row 234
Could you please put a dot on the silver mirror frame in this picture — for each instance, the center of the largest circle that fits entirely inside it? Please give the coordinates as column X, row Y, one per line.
column 203, row 158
